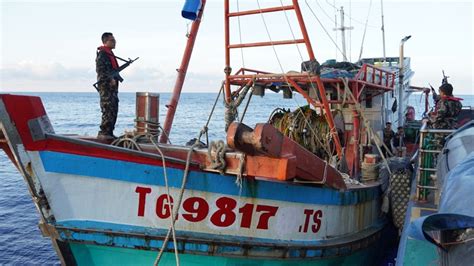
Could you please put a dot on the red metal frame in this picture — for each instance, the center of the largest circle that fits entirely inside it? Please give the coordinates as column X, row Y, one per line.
column 356, row 86
column 369, row 78
column 227, row 14
column 259, row 11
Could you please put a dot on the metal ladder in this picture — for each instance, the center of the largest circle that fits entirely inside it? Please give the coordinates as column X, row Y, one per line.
column 427, row 163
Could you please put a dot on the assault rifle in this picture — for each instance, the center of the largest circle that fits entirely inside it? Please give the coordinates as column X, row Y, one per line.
column 445, row 78
column 435, row 95
column 116, row 72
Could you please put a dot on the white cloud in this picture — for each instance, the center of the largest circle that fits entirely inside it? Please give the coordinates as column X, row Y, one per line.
column 29, row 70
column 54, row 76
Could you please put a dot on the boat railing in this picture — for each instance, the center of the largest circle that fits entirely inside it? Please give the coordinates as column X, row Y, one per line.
column 376, row 76
column 247, row 71
column 430, row 147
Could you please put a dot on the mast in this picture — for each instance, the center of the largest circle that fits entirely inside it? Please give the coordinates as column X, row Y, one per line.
column 343, row 34
column 383, row 31
column 227, row 69
column 384, row 59
column 183, row 68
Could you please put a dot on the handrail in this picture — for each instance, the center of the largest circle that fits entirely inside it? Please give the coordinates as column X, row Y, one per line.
column 426, row 161
column 243, row 69
column 376, row 73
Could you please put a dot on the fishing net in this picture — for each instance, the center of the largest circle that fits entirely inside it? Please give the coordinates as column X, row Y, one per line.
column 306, row 127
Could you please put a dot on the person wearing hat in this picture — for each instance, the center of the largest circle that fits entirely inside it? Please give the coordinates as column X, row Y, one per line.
column 447, row 108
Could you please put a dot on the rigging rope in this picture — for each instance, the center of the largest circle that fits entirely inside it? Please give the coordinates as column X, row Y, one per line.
column 269, row 36
column 367, row 124
column 350, row 31
column 172, row 221
column 291, row 30
column 231, row 111
column 365, row 30
column 324, row 28
column 246, row 105
column 180, row 198
column 335, row 26
column 349, row 17
column 325, row 13
column 174, row 215
column 205, row 128
column 240, row 36
column 308, row 124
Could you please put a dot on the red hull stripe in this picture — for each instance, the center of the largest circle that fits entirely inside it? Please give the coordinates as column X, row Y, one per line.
column 22, row 109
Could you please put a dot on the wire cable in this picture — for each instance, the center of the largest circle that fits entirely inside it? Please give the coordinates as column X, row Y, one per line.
column 240, row 36
column 365, row 30
column 351, row 18
column 324, row 28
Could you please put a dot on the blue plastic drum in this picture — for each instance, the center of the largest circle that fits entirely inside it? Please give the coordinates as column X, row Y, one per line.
column 191, row 9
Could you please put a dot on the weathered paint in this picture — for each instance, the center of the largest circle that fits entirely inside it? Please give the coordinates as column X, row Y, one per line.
column 102, row 255
column 222, row 246
column 281, row 213
column 153, row 175
column 92, row 197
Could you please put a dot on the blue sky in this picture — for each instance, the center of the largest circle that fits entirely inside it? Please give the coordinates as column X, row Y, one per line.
column 50, row 45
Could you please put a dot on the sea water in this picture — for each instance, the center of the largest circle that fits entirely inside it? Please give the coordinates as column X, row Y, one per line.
column 79, row 113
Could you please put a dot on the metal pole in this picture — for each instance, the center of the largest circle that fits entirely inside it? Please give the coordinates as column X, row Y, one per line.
column 227, row 69
column 178, row 86
column 307, row 41
column 356, row 134
column 343, row 33
column 328, row 115
column 383, row 31
column 384, row 59
column 401, row 82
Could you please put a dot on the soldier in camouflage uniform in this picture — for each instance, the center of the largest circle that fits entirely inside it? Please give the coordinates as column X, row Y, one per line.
column 447, row 108
column 106, row 63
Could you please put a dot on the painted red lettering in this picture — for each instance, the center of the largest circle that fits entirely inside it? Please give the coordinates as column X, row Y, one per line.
column 162, row 208
column 317, row 221
column 142, row 192
column 225, row 215
column 197, row 209
column 308, row 214
column 246, row 211
column 267, row 213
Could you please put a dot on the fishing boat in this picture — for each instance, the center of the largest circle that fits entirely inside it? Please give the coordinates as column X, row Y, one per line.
column 299, row 188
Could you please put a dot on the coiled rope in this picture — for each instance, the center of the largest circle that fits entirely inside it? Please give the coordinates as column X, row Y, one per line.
column 216, row 153
column 306, row 127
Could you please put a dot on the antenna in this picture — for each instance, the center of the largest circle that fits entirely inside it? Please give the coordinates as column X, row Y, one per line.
column 343, row 34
